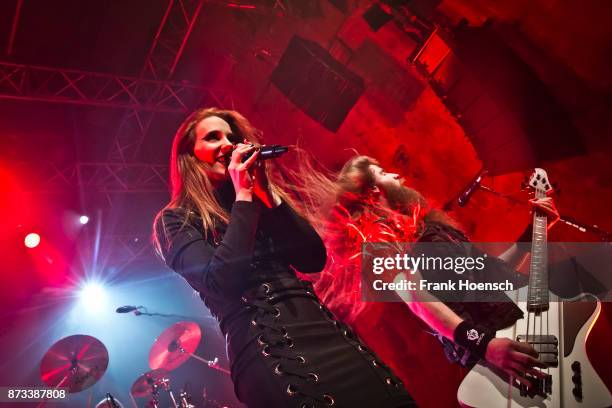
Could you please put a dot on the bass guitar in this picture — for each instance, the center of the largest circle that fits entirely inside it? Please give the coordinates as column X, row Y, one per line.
column 557, row 331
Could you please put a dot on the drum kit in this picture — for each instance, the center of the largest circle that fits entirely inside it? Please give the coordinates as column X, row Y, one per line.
column 77, row 362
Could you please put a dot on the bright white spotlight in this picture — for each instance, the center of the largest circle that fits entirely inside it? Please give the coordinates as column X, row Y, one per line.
column 93, row 297
column 83, row 219
column 32, row 240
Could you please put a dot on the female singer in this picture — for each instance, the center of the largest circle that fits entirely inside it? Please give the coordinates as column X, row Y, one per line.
column 237, row 240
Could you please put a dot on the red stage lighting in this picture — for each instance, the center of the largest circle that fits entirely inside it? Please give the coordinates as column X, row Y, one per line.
column 32, row 240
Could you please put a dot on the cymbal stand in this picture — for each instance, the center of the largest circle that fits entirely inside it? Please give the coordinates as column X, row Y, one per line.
column 185, row 400
column 211, row 363
column 73, row 371
column 154, row 401
column 134, row 405
column 165, row 383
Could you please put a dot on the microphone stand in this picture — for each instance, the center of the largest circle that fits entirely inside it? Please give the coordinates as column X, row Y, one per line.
column 604, row 235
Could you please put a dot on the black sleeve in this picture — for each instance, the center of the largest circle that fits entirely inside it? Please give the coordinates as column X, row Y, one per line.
column 295, row 238
column 214, row 272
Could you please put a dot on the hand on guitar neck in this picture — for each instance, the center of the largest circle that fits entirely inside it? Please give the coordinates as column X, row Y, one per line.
column 546, row 206
column 515, row 256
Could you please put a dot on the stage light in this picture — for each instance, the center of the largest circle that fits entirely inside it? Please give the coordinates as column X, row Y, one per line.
column 92, row 296
column 83, row 219
column 32, row 240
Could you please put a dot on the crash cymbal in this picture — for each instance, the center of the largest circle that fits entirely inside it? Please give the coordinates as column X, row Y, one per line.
column 75, row 362
column 145, row 384
column 175, row 345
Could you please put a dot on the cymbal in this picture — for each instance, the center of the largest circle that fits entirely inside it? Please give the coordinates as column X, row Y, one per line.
column 75, row 362
column 175, row 345
column 143, row 385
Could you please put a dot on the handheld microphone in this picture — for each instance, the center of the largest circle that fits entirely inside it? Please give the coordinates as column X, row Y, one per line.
column 266, row 152
column 467, row 193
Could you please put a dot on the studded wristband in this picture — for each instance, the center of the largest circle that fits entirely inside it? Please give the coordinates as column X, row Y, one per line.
column 473, row 338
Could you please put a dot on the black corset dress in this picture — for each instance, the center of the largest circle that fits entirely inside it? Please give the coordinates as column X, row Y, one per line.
column 285, row 348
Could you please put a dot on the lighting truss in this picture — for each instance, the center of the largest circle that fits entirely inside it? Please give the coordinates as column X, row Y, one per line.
column 93, row 176
column 172, row 34
column 123, row 250
column 168, row 45
column 43, row 84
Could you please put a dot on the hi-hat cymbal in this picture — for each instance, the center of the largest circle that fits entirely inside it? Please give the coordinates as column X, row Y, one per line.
column 75, row 362
column 175, row 345
column 144, row 385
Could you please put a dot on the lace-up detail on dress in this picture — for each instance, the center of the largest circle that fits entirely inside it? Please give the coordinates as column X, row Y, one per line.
column 278, row 347
column 300, row 379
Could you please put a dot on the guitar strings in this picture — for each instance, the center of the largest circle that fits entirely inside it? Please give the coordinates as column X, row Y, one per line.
column 547, row 333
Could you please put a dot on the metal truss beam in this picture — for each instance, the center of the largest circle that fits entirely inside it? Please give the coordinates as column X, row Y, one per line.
column 99, row 177
column 11, row 41
column 139, row 95
column 131, row 249
column 117, row 251
column 168, row 45
column 172, row 34
column 123, row 250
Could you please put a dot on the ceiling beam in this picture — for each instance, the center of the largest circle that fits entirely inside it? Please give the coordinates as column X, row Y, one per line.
column 104, row 177
column 11, row 42
column 45, row 84
column 166, row 50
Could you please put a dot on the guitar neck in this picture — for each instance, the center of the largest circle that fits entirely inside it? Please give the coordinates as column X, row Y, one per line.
column 537, row 294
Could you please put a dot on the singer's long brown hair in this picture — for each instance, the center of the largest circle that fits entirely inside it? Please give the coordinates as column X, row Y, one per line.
column 191, row 189
column 356, row 182
column 360, row 216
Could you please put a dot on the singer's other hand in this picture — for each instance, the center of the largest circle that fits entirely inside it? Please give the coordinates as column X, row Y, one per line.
column 240, row 172
column 261, row 186
column 547, row 206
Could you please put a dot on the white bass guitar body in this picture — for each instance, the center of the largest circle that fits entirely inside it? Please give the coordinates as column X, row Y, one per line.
column 556, row 330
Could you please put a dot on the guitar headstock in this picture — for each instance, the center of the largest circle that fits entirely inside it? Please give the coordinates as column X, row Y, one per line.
column 540, row 183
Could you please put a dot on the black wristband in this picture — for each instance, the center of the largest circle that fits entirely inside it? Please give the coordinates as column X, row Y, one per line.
column 474, row 338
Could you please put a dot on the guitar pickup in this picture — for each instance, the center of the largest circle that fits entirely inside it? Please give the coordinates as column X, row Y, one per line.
column 544, row 347
column 550, row 359
column 538, row 339
column 547, row 347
